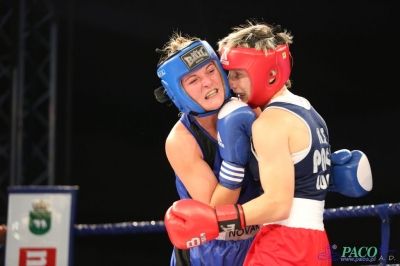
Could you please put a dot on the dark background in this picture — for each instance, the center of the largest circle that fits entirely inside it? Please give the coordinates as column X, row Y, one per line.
column 112, row 130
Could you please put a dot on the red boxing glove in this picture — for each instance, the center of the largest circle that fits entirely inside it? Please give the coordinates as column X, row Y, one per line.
column 190, row 223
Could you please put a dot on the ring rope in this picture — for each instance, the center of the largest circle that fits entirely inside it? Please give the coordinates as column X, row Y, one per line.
column 158, row 226
column 383, row 211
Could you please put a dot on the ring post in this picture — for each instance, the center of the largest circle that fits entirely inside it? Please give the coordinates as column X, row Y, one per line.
column 383, row 211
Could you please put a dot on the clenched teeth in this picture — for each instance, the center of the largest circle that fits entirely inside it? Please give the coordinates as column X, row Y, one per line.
column 211, row 93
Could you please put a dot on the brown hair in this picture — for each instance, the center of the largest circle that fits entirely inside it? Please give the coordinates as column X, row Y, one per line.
column 176, row 43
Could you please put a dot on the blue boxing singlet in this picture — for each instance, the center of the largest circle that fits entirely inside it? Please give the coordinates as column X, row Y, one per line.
column 230, row 248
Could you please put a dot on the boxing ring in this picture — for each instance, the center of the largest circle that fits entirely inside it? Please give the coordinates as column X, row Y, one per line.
column 383, row 211
column 373, row 255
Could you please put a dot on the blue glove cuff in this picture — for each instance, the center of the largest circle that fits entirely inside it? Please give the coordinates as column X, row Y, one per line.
column 231, row 175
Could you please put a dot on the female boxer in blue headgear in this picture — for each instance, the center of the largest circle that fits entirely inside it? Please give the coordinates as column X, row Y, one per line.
column 193, row 79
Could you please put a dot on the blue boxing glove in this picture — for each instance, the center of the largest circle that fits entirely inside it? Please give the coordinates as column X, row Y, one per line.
column 234, row 132
column 351, row 173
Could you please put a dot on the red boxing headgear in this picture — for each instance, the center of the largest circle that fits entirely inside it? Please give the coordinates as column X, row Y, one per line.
column 261, row 69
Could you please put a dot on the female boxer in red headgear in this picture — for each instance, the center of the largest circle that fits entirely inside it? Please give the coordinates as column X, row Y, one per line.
column 291, row 144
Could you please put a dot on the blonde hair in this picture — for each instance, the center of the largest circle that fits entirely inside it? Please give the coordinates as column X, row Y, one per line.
column 176, row 43
column 258, row 35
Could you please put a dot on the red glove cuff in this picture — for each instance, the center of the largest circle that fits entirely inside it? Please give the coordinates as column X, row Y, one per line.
column 230, row 217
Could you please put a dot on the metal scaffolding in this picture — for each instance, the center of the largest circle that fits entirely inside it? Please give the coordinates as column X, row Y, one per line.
column 7, row 16
column 28, row 82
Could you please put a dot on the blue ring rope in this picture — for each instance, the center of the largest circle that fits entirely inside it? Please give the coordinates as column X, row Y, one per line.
column 383, row 211
column 158, row 226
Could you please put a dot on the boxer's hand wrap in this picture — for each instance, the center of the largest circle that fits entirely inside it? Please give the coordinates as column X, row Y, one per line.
column 190, row 223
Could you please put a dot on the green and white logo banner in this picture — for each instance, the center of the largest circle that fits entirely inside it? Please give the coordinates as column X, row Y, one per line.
column 39, row 224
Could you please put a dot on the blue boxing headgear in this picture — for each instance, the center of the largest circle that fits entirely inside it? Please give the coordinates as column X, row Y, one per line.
column 177, row 66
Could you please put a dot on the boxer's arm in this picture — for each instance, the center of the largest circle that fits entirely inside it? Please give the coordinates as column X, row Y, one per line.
column 185, row 157
column 271, row 134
